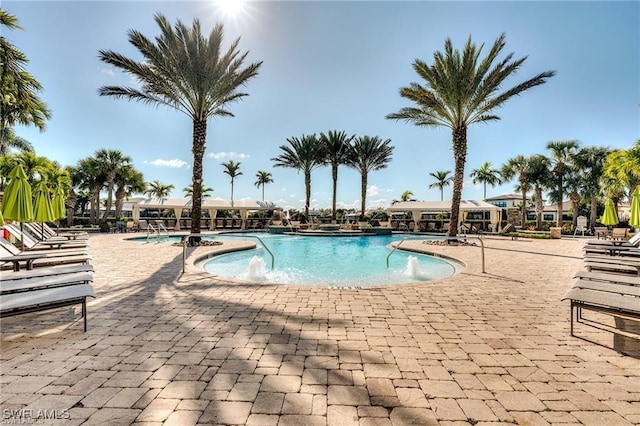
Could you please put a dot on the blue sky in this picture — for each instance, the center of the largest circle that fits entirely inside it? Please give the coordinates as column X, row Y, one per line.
column 334, row 66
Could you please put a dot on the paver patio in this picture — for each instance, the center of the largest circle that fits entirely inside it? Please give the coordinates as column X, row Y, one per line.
column 477, row 348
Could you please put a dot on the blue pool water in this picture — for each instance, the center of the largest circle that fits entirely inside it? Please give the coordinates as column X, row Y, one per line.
column 332, row 261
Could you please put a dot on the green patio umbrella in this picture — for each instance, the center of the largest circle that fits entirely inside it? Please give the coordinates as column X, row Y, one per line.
column 43, row 212
column 17, row 204
column 58, row 204
column 609, row 217
column 634, row 218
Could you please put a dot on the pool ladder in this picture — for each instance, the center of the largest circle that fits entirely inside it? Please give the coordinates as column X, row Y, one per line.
column 151, row 230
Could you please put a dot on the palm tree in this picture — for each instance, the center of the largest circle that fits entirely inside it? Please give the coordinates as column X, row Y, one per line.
column 624, row 166
column 157, row 189
column 19, row 103
column 517, row 166
column 461, row 90
column 92, row 180
column 539, row 175
column 406, row 196
column 111, row 161
column 187, row 71
column 486, row 175
column 9, row 139
column 205, row 191
column 336, row 148
column 232, row 169
column 368, row 154
column 562, row 154
column 128, row 181
column 590, row 161
column 263, row 178
column 442, row 179
column 304, row 154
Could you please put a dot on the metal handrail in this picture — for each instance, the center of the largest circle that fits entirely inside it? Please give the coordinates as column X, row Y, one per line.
column 184, row 247
column 479, row 237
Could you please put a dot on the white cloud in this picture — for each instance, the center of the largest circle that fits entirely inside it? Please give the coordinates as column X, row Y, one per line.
column 108, row 71
column 174, row 164
column 373, row 191
column 230, row 155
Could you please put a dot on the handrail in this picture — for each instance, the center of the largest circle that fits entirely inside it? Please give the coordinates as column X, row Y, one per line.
column 184, row 247
column 479, row 237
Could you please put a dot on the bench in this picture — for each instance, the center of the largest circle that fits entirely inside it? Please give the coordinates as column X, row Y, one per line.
column 22, row 293
column 617, row 296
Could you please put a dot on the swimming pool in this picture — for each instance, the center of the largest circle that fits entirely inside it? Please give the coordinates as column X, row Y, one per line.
column 337, row 262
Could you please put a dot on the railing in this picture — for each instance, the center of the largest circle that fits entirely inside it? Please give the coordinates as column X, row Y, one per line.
column 479, row 237
column 184, row 247
column 156, row 231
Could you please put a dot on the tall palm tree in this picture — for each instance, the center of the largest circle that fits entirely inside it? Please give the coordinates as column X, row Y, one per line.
column 93, row 179
column 624, row 166
column 336, row 148
column 128, row 181
column 263, row 178
column 205, row 191
column 368, row 154
column 517, row 166
column 232, row 169
column 460, row 90
column 19, row 103
column 539, row 175
column 590, row 161
column 562, row 154
column 442, row 179
column 188, row 71
column 486, row 174
column 111, row 161
column 157, row 189
column 304, row 154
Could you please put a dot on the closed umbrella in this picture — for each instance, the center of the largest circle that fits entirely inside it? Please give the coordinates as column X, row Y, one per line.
column 634, row 219
column 609, row 217
column 17, row 204
column 43, row 212
column 58, row 204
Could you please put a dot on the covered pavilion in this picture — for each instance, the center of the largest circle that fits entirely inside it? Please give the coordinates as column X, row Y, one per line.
column 418, row 208
column 178, row 205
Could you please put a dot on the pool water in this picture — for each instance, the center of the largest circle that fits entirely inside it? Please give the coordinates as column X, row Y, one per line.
column 331, row 261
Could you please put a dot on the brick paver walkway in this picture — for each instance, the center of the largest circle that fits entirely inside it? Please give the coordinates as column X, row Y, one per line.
column 180, row 350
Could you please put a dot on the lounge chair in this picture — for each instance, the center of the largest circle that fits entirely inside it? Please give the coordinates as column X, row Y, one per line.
column 30, row 242
column 43, row 232
column 619, row 234
column 27, row 295
column 601, row 232
column 13, row 258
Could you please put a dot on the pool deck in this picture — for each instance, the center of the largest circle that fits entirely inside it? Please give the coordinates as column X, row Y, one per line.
column 474, row 349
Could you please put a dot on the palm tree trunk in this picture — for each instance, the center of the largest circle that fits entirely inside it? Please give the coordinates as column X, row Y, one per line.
column 575, row 201
column 594, row 213
column 460, row 157
column 524, row 207
column 334, row 175
column 263, row 192
column 107, row 208
column 307, row 189
column 231, row 192
column 539, row 208
column 559, row 221
column 120, row 194
column 199, row 140
column 363, row 193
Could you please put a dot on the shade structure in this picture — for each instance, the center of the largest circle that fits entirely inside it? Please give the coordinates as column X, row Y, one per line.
column 609, row 217
column 17, row 204
column 59, row 209
column 634, row 218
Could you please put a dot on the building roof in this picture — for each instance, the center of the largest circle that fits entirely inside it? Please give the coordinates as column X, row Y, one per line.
column 507, row 197
column 440, row 206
